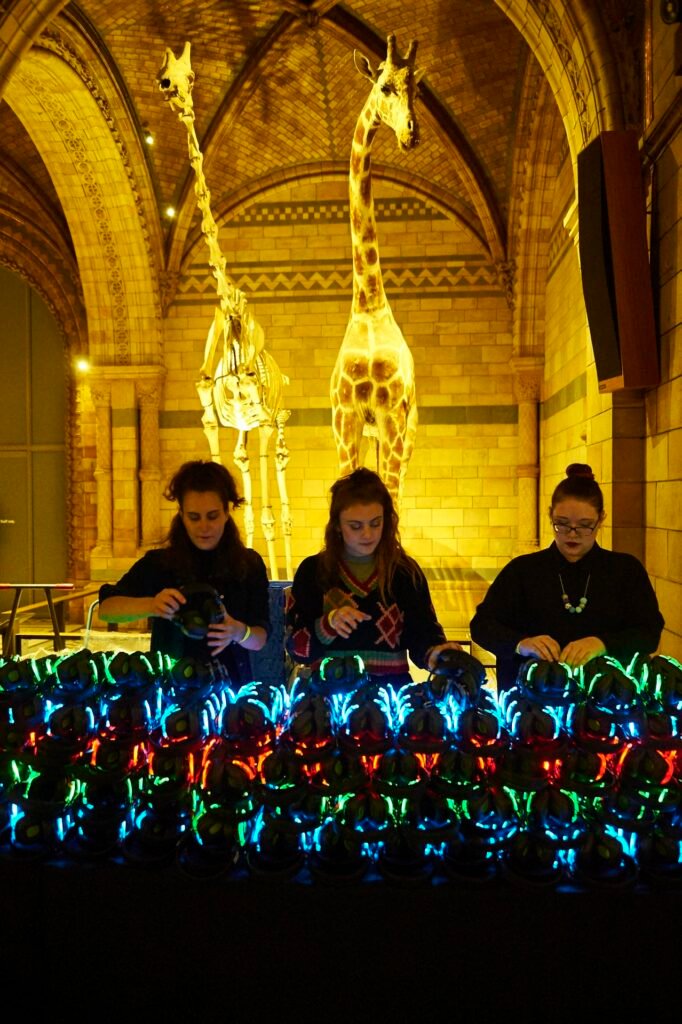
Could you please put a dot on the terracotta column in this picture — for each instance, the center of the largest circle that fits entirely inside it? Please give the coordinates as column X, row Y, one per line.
column 100, row 391
column 527, row 386
column 149, row 400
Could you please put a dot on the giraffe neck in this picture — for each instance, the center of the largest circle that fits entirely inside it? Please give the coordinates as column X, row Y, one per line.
column 232, row 300
column 368, row 285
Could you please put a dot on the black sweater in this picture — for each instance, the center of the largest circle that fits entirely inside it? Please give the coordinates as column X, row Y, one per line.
column 244, row 599
column 525, row 600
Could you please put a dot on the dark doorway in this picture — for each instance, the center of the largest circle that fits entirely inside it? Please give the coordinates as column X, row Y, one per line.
column 33, row 416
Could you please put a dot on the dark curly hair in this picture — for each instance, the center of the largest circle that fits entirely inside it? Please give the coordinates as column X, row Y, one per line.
column 230, row 553
column 580, row 485
column 363, row 487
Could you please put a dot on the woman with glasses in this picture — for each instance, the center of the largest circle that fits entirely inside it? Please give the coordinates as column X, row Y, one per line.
column 574, row 600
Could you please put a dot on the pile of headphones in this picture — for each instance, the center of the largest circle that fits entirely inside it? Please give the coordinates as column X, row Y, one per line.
column 572, row 777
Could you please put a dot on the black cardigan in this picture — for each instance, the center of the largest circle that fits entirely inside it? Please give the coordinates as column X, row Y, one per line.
column 244, row 599
column 525, row 600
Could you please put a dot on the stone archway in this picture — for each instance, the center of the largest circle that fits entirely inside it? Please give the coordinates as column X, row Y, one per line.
column 19, row 28
column 85, row 165
column 75, row 134
column 567, row 39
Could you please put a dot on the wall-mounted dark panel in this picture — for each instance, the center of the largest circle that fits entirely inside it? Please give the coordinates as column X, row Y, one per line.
column 615, row 264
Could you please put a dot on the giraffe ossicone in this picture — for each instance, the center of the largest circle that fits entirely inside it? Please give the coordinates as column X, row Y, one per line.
column 240, row 384
column 372, row 387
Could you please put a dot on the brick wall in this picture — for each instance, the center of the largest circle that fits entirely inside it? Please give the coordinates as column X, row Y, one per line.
column 290, row 253
column 663, row 454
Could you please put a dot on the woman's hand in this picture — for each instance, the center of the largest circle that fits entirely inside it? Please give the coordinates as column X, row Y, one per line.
column 221, row 634
column 432, row 659
column 579, row 652
column 346, row 619
column 543, row 647
column 166, row 603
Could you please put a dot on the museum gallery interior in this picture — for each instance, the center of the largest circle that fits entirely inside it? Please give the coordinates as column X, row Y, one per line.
column 206, row 210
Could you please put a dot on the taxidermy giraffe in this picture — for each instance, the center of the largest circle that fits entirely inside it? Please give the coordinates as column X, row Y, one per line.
column 372, row 386
column 240, row 384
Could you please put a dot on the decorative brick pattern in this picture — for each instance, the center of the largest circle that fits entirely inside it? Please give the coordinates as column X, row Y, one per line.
column 330, row 211
column 312, row 280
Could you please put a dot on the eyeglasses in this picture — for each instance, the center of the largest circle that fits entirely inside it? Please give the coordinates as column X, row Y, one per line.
column 581, row 530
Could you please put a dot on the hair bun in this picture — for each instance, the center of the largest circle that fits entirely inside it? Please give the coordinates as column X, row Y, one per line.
column 579, row 469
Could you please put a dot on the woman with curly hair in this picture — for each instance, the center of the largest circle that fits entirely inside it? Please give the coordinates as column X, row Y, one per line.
column 203, row 549
column 363, row 594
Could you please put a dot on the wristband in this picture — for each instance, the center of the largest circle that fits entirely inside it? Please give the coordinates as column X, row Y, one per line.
column 247, row 634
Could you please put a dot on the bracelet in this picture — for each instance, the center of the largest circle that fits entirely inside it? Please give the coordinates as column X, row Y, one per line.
column 330, row 618
column 247, row 634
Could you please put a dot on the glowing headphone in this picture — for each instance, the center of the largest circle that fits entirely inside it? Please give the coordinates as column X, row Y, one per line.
column 203, row 608
column 458, row 673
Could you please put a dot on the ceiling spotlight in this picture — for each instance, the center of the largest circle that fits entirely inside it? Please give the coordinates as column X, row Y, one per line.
column 82, row 365
column 170, row 212
column 147, row 135
column 671, row 11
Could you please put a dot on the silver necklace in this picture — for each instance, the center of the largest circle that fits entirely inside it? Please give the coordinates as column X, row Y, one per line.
column 574, row 609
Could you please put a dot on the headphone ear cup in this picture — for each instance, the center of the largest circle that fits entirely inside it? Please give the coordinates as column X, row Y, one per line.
column 202, row 609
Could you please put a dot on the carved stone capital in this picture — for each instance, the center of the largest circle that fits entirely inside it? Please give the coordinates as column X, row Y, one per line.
column 100, row 391
column 527, row 371
column 148, row 386
column 148, row 394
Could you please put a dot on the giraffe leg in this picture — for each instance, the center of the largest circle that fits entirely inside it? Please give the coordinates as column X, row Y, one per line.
column 209, row 419
column 240, row 458
column 281, row 463
column 266, row 516
column 410, row 437
column 347, row 425
column 392, row 427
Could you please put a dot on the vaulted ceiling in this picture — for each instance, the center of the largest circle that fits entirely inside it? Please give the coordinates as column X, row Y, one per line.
column 276, row 96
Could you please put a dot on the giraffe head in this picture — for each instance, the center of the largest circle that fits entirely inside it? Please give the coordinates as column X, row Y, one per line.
column 394, row 85
column 176, row 78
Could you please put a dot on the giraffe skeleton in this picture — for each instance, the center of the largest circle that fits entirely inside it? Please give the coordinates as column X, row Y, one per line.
column 240, row 384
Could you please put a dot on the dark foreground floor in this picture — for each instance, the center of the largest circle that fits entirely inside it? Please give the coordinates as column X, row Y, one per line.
column 116, row 941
